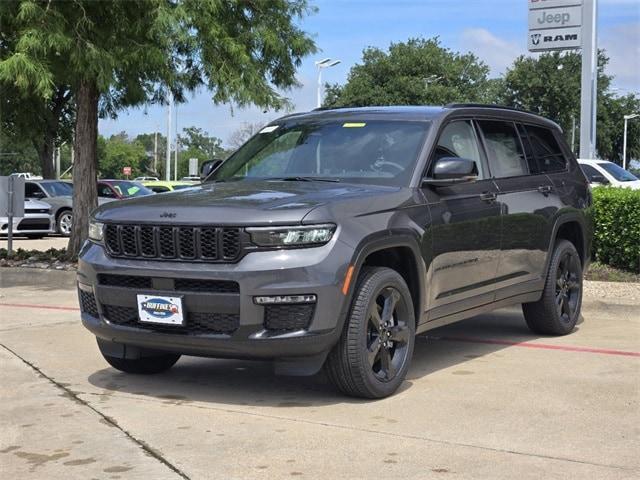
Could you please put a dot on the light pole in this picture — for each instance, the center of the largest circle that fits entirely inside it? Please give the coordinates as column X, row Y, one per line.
column 325, row 63
column 624, row 138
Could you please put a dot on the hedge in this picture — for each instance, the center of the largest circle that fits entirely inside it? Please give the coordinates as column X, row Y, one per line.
column 616, row 219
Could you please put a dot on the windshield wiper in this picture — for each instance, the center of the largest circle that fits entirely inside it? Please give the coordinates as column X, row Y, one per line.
column 306, row 179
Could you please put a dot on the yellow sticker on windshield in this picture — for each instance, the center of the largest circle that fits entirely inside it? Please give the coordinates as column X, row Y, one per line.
column 353, row 125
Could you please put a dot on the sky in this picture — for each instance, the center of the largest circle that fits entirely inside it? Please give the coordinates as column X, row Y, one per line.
column 494, row 30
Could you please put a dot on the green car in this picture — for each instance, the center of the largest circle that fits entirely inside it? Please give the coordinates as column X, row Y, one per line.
column 159, row 186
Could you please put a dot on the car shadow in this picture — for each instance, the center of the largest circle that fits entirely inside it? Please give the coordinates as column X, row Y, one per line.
column 252, row 383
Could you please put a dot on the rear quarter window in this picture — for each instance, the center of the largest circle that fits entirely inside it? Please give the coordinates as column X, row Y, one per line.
column 546, row 149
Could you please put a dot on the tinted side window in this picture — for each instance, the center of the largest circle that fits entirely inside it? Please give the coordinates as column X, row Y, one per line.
column 591, row 173
column 504, row 150
column 458, row 139
column 105, row 191
column 31, row 190
column 546, row 149
column 534, row 169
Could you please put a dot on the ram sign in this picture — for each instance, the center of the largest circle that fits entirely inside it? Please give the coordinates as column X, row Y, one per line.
column 554, row 25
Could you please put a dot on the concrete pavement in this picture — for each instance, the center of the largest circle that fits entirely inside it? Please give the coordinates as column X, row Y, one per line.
column 477, row 403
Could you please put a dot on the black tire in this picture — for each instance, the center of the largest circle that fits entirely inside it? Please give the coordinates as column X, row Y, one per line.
column 64, row 222
column 371, row 359
column 558, row 310
column 145, row 365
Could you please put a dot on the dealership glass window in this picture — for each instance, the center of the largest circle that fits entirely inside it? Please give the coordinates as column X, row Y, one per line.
column 504, row 150
column 546, row 149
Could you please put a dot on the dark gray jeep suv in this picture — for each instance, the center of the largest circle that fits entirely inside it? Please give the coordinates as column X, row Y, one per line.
column 334, row 237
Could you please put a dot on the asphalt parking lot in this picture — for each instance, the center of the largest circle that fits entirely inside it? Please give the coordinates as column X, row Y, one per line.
column 483, row 399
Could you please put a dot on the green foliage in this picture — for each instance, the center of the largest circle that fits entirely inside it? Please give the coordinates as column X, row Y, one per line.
column 616, row 217
column 118, row 153
column 550, row 85
column 416, row 72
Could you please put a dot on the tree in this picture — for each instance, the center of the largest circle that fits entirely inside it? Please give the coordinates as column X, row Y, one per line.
column 416, row 72
column 194, row 138
column 550, row 85
column 119, row 152
column 27, row 115
column 243, row 133
column 115, row 54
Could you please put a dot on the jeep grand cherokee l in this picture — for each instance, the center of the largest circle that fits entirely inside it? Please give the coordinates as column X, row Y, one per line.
column 331, row 238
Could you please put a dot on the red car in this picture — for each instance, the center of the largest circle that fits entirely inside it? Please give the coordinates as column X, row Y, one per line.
column 121, row 189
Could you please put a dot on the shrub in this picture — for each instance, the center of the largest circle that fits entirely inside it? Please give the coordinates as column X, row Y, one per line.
column 616, row 218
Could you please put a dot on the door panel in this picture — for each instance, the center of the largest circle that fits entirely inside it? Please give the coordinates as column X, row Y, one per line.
column 465, row 231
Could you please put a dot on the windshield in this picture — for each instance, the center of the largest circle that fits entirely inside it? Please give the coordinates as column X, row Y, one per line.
column 617, row 172
column 131, row 189
column 378, row 152
column 57, row 189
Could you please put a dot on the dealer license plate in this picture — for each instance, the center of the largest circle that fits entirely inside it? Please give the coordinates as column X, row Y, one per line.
column 158, row 309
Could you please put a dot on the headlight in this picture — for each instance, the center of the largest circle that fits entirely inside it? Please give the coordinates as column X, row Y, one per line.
column 291, row 236
column 96, row 231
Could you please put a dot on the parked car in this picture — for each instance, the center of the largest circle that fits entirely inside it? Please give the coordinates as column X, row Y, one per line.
column 163, row 187
column 27, row 176
column 191, row 178
column 602, row 172
column 334, row 237
column 59, row 195
column 121, row 189
column 37, row 222
column 146, row 179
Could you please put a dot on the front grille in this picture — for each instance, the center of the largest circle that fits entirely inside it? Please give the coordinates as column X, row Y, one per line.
column 88, row 303
column 197, row 323
column 179, row 284
column 184, row 243
column 34, row 224
column 288, row 317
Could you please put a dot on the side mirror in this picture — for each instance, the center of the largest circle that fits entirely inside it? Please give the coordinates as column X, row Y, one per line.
column 452, row 170
column 208, row 167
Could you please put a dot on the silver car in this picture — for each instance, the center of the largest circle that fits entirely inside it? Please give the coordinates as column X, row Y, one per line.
column 59, row 195
column 36, row 223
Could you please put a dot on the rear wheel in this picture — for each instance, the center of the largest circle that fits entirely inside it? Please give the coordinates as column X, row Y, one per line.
column 64, row 223
column 558, row 310
column 373, row 354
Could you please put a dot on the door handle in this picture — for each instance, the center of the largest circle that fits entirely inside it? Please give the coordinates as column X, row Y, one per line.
column 545, row 189
column 488, row 196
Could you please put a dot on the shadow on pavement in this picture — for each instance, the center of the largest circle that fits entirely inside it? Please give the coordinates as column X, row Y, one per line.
column 246, row 383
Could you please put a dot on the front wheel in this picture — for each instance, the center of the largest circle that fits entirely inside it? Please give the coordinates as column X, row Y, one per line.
column 373, row 354
column 558, row 310
column 141, row 366
column 65, row 220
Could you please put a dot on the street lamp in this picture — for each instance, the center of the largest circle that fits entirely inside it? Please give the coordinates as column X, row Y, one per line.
column 624, row 138
column 324, row 63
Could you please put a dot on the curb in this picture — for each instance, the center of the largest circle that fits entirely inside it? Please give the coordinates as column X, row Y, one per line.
column 37, row 277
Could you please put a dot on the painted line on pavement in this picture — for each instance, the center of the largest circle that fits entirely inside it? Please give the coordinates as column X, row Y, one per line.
column 542, row 346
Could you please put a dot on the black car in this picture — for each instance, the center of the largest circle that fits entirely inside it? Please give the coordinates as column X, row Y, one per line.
column 332, row 238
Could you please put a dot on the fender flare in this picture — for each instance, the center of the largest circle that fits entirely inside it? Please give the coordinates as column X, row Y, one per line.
column 381, row 241
column 563, row 220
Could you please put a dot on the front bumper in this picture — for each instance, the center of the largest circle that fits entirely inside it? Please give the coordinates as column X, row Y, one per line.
column 31, row 223
column 319, row 271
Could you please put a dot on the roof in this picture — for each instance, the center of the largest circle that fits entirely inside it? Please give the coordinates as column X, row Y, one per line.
column 426, row 112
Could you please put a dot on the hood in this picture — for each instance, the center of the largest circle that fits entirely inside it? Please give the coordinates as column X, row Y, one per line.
column 238, row 203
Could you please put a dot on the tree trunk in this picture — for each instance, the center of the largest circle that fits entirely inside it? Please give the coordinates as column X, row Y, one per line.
column 85, row 189
column 45, row 152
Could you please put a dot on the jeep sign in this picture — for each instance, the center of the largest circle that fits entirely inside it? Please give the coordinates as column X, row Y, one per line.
column 554, row 25
column 554, row 39
column 555, row 17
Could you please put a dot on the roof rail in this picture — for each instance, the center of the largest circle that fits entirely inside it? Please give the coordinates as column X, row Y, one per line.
column 487, row 105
